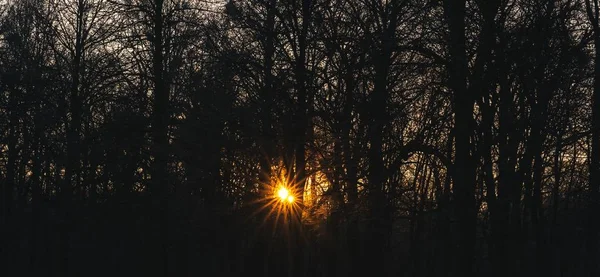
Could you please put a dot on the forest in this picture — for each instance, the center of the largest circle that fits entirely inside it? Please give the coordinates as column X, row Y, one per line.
column 300, row 138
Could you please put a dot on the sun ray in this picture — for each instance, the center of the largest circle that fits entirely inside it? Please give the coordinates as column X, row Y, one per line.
column 277, row 203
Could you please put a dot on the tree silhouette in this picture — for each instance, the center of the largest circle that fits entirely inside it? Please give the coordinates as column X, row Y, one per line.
column 413, row 138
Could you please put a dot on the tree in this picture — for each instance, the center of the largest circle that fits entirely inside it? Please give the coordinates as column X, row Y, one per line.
column 592, row 10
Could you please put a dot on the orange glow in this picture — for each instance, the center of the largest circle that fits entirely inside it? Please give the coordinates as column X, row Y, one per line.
column 280, row 199
column 284, row 194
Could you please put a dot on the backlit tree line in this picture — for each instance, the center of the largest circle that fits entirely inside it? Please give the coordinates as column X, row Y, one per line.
column 418, row 137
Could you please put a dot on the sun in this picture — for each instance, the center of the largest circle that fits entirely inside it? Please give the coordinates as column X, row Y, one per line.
column 284, row 195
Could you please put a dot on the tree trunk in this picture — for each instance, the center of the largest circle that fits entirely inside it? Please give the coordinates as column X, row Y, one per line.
column 9, row 183
column 267, row 96
column 160, row 144
column 594, row 178
column 464, row 164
